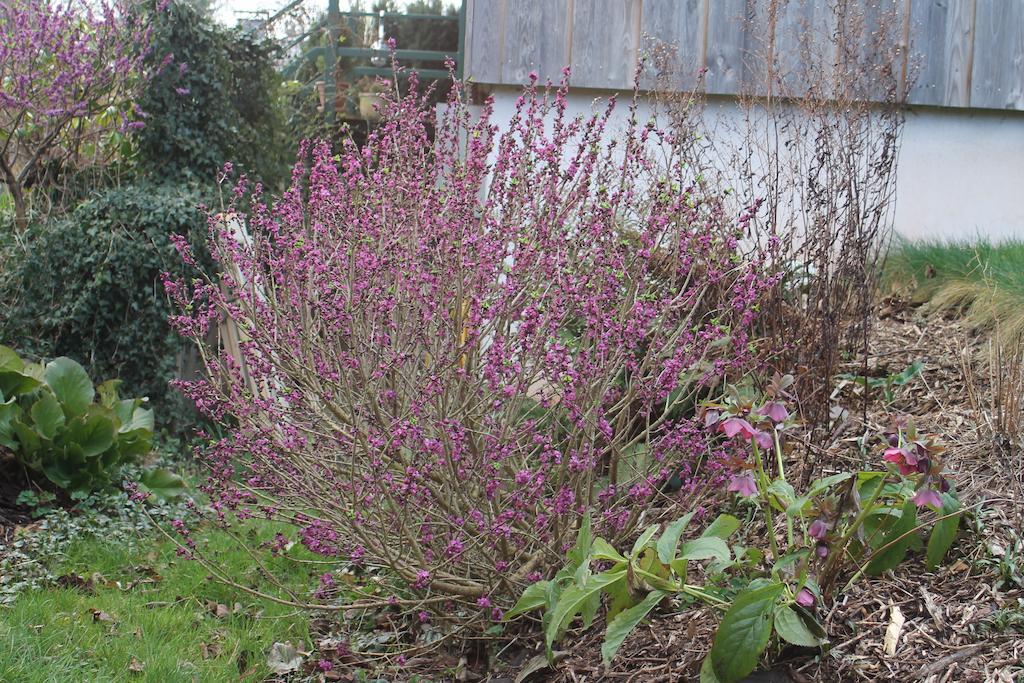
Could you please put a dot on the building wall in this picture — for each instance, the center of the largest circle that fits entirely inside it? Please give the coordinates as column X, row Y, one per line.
column 960, row 176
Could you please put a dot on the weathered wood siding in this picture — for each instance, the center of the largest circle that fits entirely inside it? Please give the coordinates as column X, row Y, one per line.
column 956, row 53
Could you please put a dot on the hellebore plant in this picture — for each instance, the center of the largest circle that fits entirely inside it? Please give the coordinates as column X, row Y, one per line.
column 447, row 348
column 841, row 526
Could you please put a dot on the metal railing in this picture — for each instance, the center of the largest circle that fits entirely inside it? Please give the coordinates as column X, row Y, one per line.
column 375, row 55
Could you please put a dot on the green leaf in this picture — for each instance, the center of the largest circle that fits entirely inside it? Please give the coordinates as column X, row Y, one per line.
column 707, row 671
column 825, row 483
column 47, row 416
column 624, row 623
column 16, row 383
column 108, row 392
column 9, row 412
column 93, row 433
column 571, row 601
column 893, row 555
column 723, row 527
column 943, row 533
column 141, row 418
column 602, row 550
column 744, row 632
column 669, row 540
column 791, row 627
column 162, row 483
column 644, row 539
column 9, row 360
column 705, row 548
column 584, row 539
column 70, row 384
column 783, row 492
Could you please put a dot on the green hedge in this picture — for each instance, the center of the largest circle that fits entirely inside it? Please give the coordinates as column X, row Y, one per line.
column 88, row 286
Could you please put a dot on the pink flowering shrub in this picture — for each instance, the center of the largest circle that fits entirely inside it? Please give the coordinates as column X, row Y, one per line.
column 452, row 345
column 69, row 71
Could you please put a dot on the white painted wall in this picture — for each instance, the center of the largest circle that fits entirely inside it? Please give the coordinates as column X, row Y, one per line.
column 961, row 172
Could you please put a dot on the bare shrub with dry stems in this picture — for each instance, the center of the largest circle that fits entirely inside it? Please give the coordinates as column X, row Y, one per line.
column 817, row 138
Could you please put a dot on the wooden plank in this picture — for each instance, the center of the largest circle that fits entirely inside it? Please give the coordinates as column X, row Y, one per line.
column 605, row 43
column 727, row 45
column 485, row 27
column 537, row 39
column 679, row 27
column 941, row 51
column 997, row 79
column 795, row 35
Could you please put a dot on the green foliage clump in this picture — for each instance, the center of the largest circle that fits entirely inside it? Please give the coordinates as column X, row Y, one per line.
column 51, row 423
column 215, row 100
column 89, row 287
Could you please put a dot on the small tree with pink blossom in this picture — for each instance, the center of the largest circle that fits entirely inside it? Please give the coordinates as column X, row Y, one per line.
column 69, row 70
column 445, row 349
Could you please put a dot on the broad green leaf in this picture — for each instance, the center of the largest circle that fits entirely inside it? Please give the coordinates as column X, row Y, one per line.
column 141, row 418
column 644, row 539
column 28, row 440
column 783, row 492
column 669, row 540
column 9, row 412
column 162, row 483
column 744, row 632
column 584, row 539
column 707, row 671
column 571, row 601
column 620, row 598
column 723, row 527
column 602, row 550
column 9, row 360
column 624, row 623
column 893, row 555
column 108, row 393
column 70, row 384
column 943, row 533
column 16, row 383
column 47, row 416
column 705, row 548
column 825, row 483
column 791, row 627
column 93, row 433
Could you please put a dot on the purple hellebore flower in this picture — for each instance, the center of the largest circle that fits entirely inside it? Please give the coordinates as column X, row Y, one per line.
column 821, row 550
column 764, row 440
column 904, row 457
column 743, row 484
column 928, row 497
column 805, row 598
column 737, row 425
column 710, row 418
column 818, row 529
column 774, row 410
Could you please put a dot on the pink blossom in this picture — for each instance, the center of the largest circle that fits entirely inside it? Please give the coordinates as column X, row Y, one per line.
column 805, row 598
column 774, row 410
column 743, row 484
column 927, row 496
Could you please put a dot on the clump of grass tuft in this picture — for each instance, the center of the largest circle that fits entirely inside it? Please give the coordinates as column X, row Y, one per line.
column 982, row 281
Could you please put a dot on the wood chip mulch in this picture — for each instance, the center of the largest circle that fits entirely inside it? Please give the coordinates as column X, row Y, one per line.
column 961, row 623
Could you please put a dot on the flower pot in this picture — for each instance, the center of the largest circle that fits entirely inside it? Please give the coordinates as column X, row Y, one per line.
column 368, row 108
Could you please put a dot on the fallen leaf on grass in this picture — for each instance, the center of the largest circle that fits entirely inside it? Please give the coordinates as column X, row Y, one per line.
column 136, row 666
column 283, row 658
column 76, row 581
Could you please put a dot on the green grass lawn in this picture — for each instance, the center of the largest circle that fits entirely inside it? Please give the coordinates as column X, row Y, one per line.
column 160, row 624
column 984, row 281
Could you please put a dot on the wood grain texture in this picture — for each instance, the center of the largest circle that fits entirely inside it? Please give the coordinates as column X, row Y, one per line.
column 680, row 26
column 997, row 80
column 941, row 51
column 727, row 45
column 605, row 43
column 485, row 27
column 537, row 39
